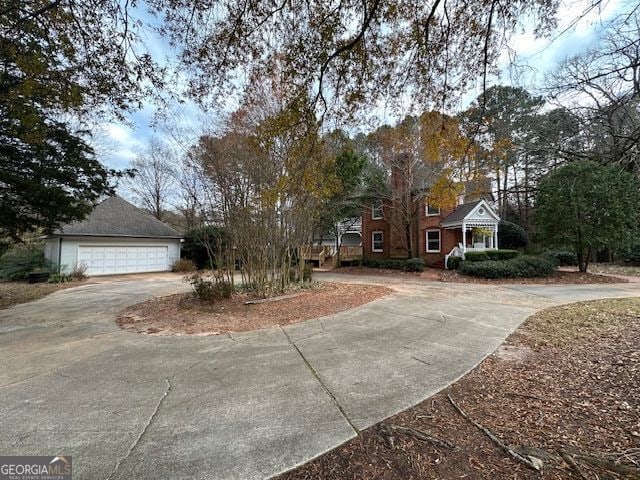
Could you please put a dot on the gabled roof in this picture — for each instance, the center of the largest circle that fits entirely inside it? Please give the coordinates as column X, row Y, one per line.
column 463, row 211
column 115, row 217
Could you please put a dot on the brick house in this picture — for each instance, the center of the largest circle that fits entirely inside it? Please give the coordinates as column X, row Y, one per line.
column 435, row 233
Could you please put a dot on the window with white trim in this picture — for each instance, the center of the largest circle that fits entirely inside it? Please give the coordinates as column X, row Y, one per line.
column 377, row 241
column 433, row 241
column 431, row 210
column 376, row 211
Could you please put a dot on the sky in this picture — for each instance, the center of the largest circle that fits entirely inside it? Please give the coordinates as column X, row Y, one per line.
column 118, row 143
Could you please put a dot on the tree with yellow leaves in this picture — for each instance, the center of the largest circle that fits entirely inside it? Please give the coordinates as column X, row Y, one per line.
column 422, row 158
column 269, row 176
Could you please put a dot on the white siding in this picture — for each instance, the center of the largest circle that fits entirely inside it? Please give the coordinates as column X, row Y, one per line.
column 71, row 248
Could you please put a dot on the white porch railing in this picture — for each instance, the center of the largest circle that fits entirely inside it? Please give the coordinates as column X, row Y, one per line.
column 477, row 249
column 460, row 250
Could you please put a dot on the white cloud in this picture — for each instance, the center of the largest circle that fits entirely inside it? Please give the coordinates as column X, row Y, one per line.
column 119, row 143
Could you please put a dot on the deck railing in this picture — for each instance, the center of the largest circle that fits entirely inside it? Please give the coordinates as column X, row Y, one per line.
column 318, row 253
column 350, row 252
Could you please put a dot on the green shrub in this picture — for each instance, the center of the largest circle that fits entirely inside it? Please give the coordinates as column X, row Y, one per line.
column 502, row 254
column 394, row 264
column 563, row 257
column 511, row 235
column 210, row 290
column 60, row 278
column 476, row 256
column 307, row 273
column 414, row 265
column 201, row 242
column 525, row 266
column 633, row 255
column 410, row 265
column 183, row 265
column 17, row 263
column 453, row 263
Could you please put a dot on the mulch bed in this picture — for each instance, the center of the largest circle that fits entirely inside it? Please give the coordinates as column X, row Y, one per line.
column 441, row 275
column 185, row 314
column 568, row 380
column 557, row 277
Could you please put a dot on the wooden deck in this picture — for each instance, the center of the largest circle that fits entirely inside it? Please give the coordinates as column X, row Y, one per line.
column 350, row 253
column 315, row 253
column 323, row 254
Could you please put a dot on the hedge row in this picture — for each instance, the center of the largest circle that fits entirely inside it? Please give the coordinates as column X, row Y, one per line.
column 490, row 255
column 525, row 266
column 409, row 265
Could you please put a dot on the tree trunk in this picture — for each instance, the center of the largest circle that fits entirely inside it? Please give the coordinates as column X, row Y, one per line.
column 409, row 240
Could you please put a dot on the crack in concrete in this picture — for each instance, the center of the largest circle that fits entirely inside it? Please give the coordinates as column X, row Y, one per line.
column 51, row 370
column 159, row 404
column 401, row 314
column 24, row 379
column 319, row 380
column 65, row 376
column 144, row 430
column 421, row 361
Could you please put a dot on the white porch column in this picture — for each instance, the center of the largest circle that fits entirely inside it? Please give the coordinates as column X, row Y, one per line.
column 464, row 237
column 495, row 237
column 491, row 240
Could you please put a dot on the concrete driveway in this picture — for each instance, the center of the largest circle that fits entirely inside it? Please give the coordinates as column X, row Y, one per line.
column 250, row 405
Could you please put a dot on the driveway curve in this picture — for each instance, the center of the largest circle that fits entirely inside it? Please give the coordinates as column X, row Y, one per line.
column 241, row 406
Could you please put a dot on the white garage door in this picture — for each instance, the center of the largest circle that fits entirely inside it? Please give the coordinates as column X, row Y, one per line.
column 105, row 260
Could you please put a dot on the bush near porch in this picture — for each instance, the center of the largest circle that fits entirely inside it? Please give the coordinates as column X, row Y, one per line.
column 490, row 255
column 408, row 265
column 525, row 266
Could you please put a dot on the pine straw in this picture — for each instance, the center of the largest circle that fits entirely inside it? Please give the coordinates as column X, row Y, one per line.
column 185, row 314
column 557, row 277
column 14, row 293
column 566, row 380
column 450, row 276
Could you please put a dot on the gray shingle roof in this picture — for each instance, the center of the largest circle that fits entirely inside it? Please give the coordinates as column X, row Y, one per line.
column 460, row 212
column 117, row 217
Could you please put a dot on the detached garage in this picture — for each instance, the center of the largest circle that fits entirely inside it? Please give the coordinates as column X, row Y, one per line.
column 115, row 238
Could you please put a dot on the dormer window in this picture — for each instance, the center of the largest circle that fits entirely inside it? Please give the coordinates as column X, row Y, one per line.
column 376, row 211
column 432, row 210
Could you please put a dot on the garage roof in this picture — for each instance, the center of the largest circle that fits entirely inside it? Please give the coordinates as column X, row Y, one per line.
column 115, row 217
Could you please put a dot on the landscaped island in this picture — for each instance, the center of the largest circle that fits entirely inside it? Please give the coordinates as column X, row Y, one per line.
column 186, row 314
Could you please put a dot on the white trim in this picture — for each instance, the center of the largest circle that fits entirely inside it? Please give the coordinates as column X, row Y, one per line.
column 164, row 268
column 373, row 209
column 426, row 240
column 492, row 220
column 426, row 211
column 373, row 248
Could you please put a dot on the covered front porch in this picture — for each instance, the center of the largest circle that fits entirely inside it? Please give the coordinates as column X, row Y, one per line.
column 476, row 227
column 476, row 236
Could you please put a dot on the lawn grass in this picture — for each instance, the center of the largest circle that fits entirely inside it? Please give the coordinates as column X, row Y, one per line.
column 613, row 269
